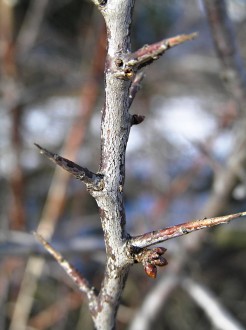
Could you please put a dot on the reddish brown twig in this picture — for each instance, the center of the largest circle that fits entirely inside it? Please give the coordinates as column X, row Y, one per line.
column 162, row 235
column 129, row 64
column 149, row 53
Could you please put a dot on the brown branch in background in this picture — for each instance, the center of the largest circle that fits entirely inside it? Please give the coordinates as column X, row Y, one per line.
column 17, row 243
column 234, row 71
column 226, row 46
column 92, row 180
column 17, row 212
column 31, row 26
column 162, row 235
column 56, row 312
column 55, row 202
column 9, row 93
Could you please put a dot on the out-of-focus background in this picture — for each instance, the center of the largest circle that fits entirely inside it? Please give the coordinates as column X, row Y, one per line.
column 52, row 92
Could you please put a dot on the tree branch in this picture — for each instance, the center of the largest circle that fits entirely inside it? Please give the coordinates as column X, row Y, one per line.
column 210, row 304
column 162, row 235
column 222, row 31
column 129, row 64
column 92, row 180
column 16, row 243
column 81, row 283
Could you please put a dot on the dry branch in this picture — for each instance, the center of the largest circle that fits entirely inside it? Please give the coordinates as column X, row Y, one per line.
column 81, row 283
column 210, row 304
column 92, row 180
column 162, row 235
column 223, row 33
column 56, row 195
column 130, row 63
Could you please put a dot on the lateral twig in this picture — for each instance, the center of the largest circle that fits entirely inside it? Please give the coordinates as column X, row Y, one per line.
column 225, row 43
column 81, row 283
column 149, row 53
column 162, row 235
column 132, row 62
column 82, row 173
column 220, row 318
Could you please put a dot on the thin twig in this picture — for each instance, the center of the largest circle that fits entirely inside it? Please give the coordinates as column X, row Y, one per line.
column 226, row 46
column 56, row 196
column 81, row 283
column 162, row 235
column 153, row 302
column 82, row 173
column 23, row 244
column 31, row 26
column 127, row 65
column 149, row 53
column 216, row 312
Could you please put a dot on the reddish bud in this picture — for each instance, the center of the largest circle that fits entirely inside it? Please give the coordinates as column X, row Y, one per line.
column 160, row 250
column 150, row 270
column 161, row 262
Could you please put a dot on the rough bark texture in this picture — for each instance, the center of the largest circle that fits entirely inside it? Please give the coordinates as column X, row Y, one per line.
column 115, row 129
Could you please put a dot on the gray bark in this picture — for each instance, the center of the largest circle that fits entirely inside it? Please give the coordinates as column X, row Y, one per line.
column 115, row 129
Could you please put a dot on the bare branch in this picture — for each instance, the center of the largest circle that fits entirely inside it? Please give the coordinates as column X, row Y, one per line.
column 216, row 312
column 92, row 180
column 234, row 73
column 131, row 63
column 162, row 235
column 17, row 243
column 81, row 283
column 154, row 302
column 149, row 53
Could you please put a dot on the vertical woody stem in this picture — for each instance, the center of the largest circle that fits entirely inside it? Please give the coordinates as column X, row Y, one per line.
column 115, row 129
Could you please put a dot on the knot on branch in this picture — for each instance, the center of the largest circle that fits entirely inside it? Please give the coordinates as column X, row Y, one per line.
column 149, row 258
column 137, row 119
column 123, row 70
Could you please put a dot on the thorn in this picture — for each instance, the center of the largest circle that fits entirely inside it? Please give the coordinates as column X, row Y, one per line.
column 174, row 41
